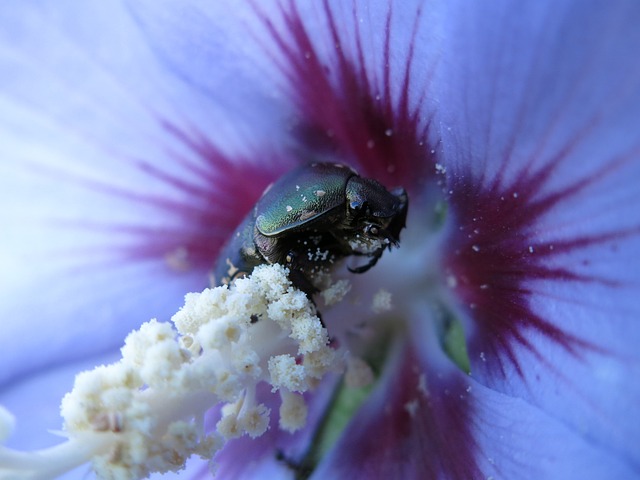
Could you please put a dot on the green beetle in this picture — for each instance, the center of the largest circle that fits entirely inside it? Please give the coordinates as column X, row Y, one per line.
column 312, row 217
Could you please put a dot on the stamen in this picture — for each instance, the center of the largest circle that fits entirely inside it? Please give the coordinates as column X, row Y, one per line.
column 146, row 412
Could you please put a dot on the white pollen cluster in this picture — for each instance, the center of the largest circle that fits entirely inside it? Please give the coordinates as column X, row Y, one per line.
column 336, row 292
column 145, row 413
column 381, row 301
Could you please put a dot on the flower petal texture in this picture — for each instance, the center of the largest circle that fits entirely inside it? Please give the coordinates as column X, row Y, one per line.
column 134, row 141
column 113, row 185
column 542, row 169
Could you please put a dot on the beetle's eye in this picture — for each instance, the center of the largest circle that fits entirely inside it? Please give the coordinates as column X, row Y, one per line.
column 356, row 205
column 374, row 231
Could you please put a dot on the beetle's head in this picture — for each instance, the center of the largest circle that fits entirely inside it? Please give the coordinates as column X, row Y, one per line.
column 375, row 214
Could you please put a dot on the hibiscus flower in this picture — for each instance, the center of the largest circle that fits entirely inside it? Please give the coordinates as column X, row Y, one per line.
column 503, row 343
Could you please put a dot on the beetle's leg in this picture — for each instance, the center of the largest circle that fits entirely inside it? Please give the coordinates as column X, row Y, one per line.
column 297, row 274
column 387, row 235
column 363, row 268
column 301, row 282
column 300, row 469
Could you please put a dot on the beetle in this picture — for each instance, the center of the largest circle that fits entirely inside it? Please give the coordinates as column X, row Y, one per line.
column 312, row 217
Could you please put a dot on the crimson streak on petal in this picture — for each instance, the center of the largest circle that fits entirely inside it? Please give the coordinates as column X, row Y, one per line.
column 204, row 207
column 416, row 425
column 349, row 104
column 496, row 255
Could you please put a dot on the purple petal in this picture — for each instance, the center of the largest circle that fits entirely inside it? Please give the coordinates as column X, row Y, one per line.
column 116, row 198
column 359, row 79
column 36, row 403
column 428, row 420
column 272, row 453
column 543, row 178
column 408, row 428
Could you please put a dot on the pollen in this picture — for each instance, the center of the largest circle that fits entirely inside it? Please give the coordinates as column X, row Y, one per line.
column 359, row 373
column 412, row 407
column 293, row 412
column 381, row 301
column 336, row 292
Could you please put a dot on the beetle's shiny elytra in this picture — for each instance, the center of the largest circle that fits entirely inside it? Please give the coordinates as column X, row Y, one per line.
column 312, row 217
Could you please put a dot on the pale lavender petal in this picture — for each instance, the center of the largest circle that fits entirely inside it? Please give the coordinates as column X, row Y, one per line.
column 543, row 174
column 427, row 419
column 36, row 403
column 119, row 181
